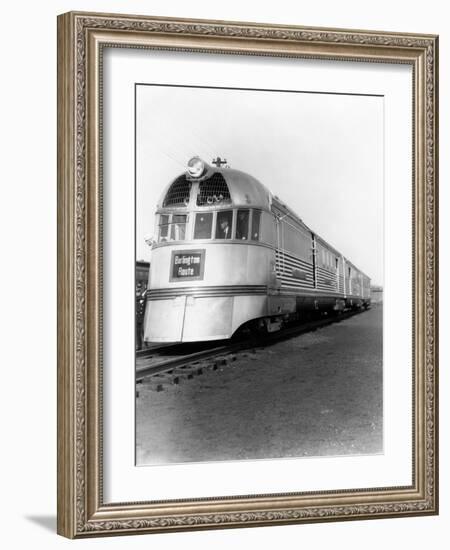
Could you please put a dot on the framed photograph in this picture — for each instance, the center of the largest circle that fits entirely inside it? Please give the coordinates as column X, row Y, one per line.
column 247, row 284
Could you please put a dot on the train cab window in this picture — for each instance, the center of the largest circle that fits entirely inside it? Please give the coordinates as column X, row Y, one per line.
column 203, row 225
column 242, row 224
column 178, row 227
column 163, row 228
column 256, row 218
column 224, row 223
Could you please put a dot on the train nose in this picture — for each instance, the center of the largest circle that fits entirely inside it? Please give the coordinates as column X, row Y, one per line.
column 189, row 319
column 207, row 318
column 164, row 320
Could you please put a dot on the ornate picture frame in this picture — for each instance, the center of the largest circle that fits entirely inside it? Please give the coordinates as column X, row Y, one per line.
column 82, row 39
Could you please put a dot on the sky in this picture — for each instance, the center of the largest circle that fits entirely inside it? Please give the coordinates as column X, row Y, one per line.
column 321, row 154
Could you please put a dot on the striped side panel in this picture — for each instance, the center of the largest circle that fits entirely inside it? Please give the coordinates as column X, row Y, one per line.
column 326, row 279
column 206, row 291
column 341, row 284
column 287, row 265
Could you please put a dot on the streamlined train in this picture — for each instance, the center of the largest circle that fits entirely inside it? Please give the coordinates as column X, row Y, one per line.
column 228, row 254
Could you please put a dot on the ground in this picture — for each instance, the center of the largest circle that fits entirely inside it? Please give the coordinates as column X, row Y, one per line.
column 317, row 394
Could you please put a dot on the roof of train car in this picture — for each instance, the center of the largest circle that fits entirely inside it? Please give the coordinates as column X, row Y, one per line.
column 247, row 191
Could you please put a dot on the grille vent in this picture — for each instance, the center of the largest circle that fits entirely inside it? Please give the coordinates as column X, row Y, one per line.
column 178, row 194
column 212, row 191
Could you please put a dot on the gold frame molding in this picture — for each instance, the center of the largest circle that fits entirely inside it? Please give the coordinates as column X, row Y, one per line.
column 81, row 37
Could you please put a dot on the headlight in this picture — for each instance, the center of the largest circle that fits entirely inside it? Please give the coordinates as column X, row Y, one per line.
column 196, row 167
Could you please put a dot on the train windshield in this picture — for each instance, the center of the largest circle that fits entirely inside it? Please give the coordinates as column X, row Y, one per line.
column 242, row 225
column 203, row 225
column 255, row 225
column 242, row 220
column 172, row 227
column 178, row 227
column 224, row 224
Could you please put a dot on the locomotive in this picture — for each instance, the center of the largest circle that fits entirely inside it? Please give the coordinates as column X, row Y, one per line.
column 229, row 254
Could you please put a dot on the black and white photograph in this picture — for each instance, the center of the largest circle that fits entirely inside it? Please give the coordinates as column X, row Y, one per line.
column 231, row 219
column 246, row 280
column 259, row 274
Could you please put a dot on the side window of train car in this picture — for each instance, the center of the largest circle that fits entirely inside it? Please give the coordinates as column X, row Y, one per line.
column 242, row 224
column 178, row 227
column 256, row 219
column 224, row 223
column 163, row 228
column 203, row 225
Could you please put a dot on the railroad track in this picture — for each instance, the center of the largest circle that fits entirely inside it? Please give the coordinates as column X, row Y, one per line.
column 175, row 361
column 152, row 349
